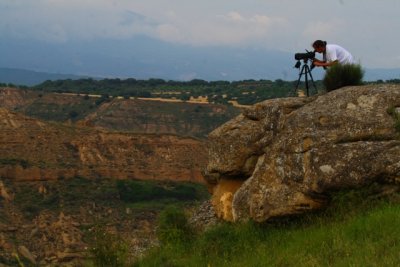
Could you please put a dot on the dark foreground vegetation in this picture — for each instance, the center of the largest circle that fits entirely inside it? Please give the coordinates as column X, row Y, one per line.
column 69, row 194
column 358, row 229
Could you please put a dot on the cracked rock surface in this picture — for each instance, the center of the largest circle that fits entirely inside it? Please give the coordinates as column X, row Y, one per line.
column 284, row 156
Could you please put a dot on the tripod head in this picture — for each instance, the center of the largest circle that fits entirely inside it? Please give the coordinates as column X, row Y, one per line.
column 305, row 57
column 305, row 61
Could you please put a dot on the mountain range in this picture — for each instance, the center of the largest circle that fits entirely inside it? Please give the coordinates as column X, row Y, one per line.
column 30, row 63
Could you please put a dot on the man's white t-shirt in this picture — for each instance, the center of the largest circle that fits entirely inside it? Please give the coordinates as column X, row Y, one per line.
column 336, row 52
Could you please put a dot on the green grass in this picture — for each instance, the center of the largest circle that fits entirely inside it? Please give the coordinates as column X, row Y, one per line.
column 354, row 231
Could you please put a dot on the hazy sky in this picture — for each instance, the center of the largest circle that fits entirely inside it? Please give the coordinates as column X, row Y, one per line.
column 369, row 29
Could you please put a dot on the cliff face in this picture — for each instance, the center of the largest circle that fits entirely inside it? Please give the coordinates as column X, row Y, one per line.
column 11, row 98
column 117, row 114
column 285, row 156
column 144, row 116
column 35, row 150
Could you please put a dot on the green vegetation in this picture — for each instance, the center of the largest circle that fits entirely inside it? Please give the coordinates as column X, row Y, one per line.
column 396, row 117
column 159, row 194
column 356, row 230
column 173, row 228
column 244, row 92
column 340, row 75
column 69, row 194
column 108, row 250
column 49, row 108
column 11, row 85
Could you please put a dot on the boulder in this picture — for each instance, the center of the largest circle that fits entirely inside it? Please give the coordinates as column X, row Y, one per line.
column 285, row 156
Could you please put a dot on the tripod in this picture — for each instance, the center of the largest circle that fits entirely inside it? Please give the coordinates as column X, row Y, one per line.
column 305, row 70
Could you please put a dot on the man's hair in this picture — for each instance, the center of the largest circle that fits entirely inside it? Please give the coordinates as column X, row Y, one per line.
column 319, row 43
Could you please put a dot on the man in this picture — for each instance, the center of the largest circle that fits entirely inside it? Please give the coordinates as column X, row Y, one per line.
column 332, row 54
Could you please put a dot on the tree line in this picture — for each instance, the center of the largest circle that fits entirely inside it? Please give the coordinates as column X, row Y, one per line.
column 244, row 91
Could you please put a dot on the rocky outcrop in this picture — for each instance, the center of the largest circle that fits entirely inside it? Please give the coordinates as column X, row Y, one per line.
column 289, row 154
column 11, row 98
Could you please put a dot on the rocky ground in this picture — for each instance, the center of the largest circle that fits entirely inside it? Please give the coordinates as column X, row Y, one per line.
column 59, row 223
column 62, row 234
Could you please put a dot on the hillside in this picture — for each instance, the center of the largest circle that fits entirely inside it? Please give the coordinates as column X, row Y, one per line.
column 61, row 181
column 127, row 115
column 58, row 223
column 36, row 150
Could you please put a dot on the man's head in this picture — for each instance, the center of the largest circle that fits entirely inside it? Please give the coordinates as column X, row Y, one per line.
column 319, row 46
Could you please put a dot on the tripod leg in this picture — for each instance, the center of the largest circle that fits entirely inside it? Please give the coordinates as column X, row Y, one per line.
column 307, row 71
column 298, row 80
column 312, row 79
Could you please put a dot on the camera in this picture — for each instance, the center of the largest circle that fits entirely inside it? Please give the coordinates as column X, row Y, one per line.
column 304, row 56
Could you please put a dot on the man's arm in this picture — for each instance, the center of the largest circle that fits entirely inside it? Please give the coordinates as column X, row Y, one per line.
column 320, row 63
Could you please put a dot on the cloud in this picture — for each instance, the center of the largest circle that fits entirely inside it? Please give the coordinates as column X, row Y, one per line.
column 328, row 29
column 169, row 33
column 252, row 23
column 232, row 28
column 234, row 16
column 61, row 20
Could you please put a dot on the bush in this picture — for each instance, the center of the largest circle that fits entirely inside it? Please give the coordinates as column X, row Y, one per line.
column 396, row 117
column 108, row 250
column 339, row 75
column 173, row 227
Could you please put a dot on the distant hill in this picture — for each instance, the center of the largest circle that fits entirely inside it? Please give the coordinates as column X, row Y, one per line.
column 30, row 78
column 381, row 74
column 144, row 58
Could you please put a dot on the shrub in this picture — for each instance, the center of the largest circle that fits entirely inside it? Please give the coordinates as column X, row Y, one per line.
column 108, row 250
column 396, row 117
column 340, row 75
column 173, row 227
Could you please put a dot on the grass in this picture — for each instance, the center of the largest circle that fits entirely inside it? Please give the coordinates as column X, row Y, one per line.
column 354, row 231
column 108, row 250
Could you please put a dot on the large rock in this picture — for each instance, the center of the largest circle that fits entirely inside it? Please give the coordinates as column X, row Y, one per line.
column 289, row 154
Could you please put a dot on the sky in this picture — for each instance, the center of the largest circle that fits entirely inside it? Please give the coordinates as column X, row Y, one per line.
column 367, row 28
